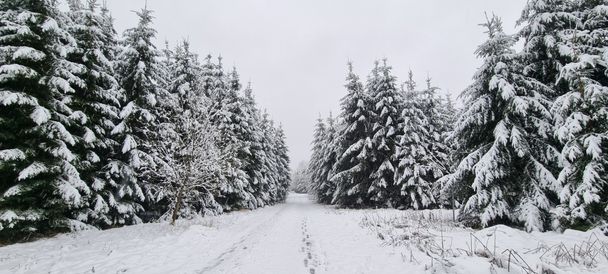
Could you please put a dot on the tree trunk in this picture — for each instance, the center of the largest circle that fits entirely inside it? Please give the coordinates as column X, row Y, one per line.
column 178, row 203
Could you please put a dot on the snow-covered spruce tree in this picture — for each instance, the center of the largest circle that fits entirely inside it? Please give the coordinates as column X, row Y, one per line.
column 449, row 115
column 98, row 98
column 503, row 132
column 416, row 171
column 386, row 109
column 543, row 29
column 282, row 165
column 41, row 188
column 167, row 63
column 109, row 30
column 227, row 117
column 275, row 163
column 581, row 116
column 352, row 178
column 208, row 77
column 324, row 187
column 269, row 171
column 138, row 74
column 175, row 70
column 256, row 158
column 247, row 129
column 316, row 159
column 439, row 124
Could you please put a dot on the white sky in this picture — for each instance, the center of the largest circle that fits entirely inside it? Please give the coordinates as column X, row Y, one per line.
column 295, row 52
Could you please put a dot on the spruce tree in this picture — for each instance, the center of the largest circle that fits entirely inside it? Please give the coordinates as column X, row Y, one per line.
column 503, row 133
column 316, row 160
column 227, row 117
column 254, row 161
column 437, row 127
column 324, row 187
column 282, row 161
column 450, row 116
column 41, row 187
column 269, row 170
column 353, row 172
column 581, row 115
column 138, row 71
column 98, row 98
column 386, row 109
column 543, row 23
column 416, row 171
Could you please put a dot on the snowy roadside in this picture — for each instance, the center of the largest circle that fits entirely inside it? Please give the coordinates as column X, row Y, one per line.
column 432, row 241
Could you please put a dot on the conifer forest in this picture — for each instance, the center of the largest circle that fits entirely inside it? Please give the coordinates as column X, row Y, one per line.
column 124, row 151
column 104, row 130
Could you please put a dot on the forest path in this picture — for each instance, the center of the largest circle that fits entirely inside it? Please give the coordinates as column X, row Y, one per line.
column 305, row 237
column 298, row 236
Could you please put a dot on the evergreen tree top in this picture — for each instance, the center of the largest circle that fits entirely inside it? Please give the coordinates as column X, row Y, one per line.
column 410, row 84
column 234, row 80
column 141, row 36
column 36, row 6
column 498, row 42
column 145, row 16
column 350, row 67
column 248, row 92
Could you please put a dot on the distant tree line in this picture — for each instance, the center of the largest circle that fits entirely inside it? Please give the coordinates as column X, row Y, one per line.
column 300, row 179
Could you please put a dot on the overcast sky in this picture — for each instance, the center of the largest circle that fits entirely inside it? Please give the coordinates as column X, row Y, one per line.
column 295, row 52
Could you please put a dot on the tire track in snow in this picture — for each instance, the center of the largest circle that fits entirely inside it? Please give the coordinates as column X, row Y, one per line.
column 242, row 243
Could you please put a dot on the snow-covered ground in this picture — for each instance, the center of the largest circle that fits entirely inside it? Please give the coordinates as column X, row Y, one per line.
column 431, row 242
column 303, row 237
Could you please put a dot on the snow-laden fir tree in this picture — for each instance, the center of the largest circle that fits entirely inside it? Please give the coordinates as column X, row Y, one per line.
column 41, row 189
column 98, row 98
column 324, row 187
column 416, row 171
column 138, row 74
column 449, row 115
column 175, row 70
column 315, row 165
column 276, row 174
column 581, row 116
column 247, row 129
column 543, row 23
column 166, row 61
column 228, row 119
column 269, row 184
column 282, row 160
column 385, row 102
column 208, row 77
column 503, row 133
column 353, row 172
column 255, row 159
column 109, row 31
column 439, row 123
